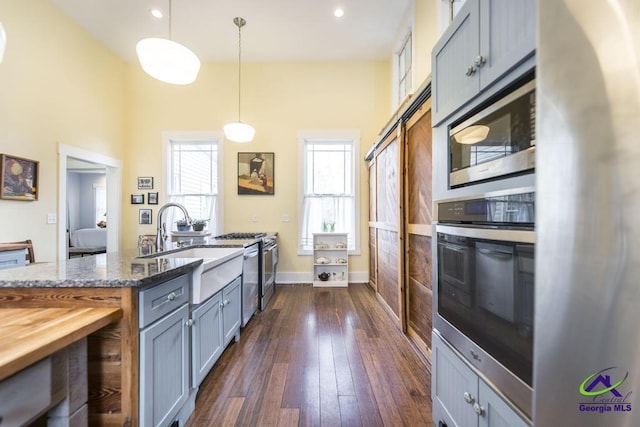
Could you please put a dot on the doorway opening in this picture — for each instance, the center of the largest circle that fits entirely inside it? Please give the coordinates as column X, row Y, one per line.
column 101, row 204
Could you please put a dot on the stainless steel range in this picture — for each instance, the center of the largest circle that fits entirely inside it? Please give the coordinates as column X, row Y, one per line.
column 261, row 286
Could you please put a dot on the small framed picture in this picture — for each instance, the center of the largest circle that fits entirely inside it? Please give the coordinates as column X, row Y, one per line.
column 145, row 183
column 152, row 198
column 18, row 178
column 137, row 199
column 256, row 173
column 144, row 216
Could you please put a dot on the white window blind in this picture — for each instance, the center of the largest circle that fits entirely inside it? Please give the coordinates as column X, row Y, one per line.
column 193, row 180
column 328, row 196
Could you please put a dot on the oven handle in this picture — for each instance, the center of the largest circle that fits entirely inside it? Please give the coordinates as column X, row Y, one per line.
column 500, row 234
column 496, row 254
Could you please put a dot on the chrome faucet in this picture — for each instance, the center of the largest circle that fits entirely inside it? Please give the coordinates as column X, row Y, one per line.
column 161, row 234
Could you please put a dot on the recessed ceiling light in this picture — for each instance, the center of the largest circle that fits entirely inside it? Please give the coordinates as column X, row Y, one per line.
column 338, row 13
column 156, row 13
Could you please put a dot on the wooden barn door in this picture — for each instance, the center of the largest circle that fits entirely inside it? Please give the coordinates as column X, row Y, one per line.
column 417, row 227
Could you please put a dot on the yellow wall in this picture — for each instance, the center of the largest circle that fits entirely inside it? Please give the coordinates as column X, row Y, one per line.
column 57, row 85
column 426, row 35
column 278, row 99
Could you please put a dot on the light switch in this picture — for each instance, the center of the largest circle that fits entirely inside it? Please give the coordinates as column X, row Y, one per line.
column 285, row 218
column 254, row 218
column 51, row 218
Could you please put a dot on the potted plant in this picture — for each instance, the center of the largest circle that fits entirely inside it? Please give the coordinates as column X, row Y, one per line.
column 199, row 224
column 183, row 225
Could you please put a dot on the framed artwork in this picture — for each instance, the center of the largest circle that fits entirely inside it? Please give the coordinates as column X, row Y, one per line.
column 152, row 198
column 256, row 173
column 145, row 183
column 18, row 178
column 137, row 199
column 144, row 216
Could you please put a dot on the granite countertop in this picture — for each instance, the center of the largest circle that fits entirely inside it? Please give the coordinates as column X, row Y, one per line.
column 132, row 268
column 119, row 269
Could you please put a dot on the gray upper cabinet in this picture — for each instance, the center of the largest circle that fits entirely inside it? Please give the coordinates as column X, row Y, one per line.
column 486, row 39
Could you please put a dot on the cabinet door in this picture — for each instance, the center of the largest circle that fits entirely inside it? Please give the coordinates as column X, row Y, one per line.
column 454, row 387
column 455, row 83
column 495, row 412
column 164, row 368
column 231, row 313
column 508, row 36
column 206, row 337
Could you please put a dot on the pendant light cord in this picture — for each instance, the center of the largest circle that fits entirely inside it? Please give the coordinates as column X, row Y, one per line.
column 170, row 29
column 239, row 22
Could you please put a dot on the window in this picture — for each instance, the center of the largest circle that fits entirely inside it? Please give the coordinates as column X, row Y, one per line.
column 404, row 69
column 194, row 179
column 99, row 203
column 329, row 190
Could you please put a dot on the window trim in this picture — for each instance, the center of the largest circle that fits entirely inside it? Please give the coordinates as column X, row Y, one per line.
column 196, row 136
column 353, row 135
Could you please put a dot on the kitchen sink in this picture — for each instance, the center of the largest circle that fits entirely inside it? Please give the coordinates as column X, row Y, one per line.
column 219, row 267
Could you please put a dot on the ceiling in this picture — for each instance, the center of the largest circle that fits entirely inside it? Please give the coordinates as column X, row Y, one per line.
column 276, row 30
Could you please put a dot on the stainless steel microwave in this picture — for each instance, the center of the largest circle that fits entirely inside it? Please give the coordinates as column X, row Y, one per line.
column 498, row 141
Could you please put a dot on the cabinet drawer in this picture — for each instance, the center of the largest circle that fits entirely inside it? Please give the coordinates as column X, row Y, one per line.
column 10, row 259
column 162, row 299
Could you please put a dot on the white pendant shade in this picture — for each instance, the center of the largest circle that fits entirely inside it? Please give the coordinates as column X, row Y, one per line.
column 168, row 61
column 472, row 134
column 239, row 132
column 3, row 41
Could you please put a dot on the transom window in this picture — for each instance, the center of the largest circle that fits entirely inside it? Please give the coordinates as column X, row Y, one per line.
column 404, row 63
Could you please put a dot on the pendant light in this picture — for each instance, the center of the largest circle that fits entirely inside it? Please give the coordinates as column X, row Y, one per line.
column 238, row 131
column 3, row 41
column 168, row 61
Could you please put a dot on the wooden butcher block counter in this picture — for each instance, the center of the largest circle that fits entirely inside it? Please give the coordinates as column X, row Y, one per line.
column 31, row 334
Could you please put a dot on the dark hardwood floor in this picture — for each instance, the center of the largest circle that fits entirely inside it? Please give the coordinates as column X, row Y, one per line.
column 317, row 357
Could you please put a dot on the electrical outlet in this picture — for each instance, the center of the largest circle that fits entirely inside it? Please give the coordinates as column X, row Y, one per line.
column 51, row 218
column 285, row 218
column 254, row 218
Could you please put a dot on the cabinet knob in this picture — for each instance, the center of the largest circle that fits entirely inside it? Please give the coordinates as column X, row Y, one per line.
column 189, row 323
column 171, row 296
column 480, row 61
column 470, row 70
column 468, row 397
column 227, row 301
column 478, row 409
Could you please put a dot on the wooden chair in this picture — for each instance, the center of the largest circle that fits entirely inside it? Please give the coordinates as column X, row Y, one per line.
column 28, row 245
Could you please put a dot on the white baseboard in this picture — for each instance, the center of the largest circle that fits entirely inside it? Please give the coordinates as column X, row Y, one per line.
column 289, row 277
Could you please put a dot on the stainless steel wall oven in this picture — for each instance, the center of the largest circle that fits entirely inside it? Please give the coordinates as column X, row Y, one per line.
column 485, row 286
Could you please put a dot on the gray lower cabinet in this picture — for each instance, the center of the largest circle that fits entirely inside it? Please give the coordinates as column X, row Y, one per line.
column 215, row 323
column 232, row 310
column 460, row 398
column 486, row 39
column 164, row 368
column 206, row 337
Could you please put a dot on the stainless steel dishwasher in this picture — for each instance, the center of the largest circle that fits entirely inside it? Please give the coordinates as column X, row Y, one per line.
column 250, row 281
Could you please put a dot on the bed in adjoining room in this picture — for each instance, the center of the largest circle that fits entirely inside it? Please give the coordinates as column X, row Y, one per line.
column 87, row 241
